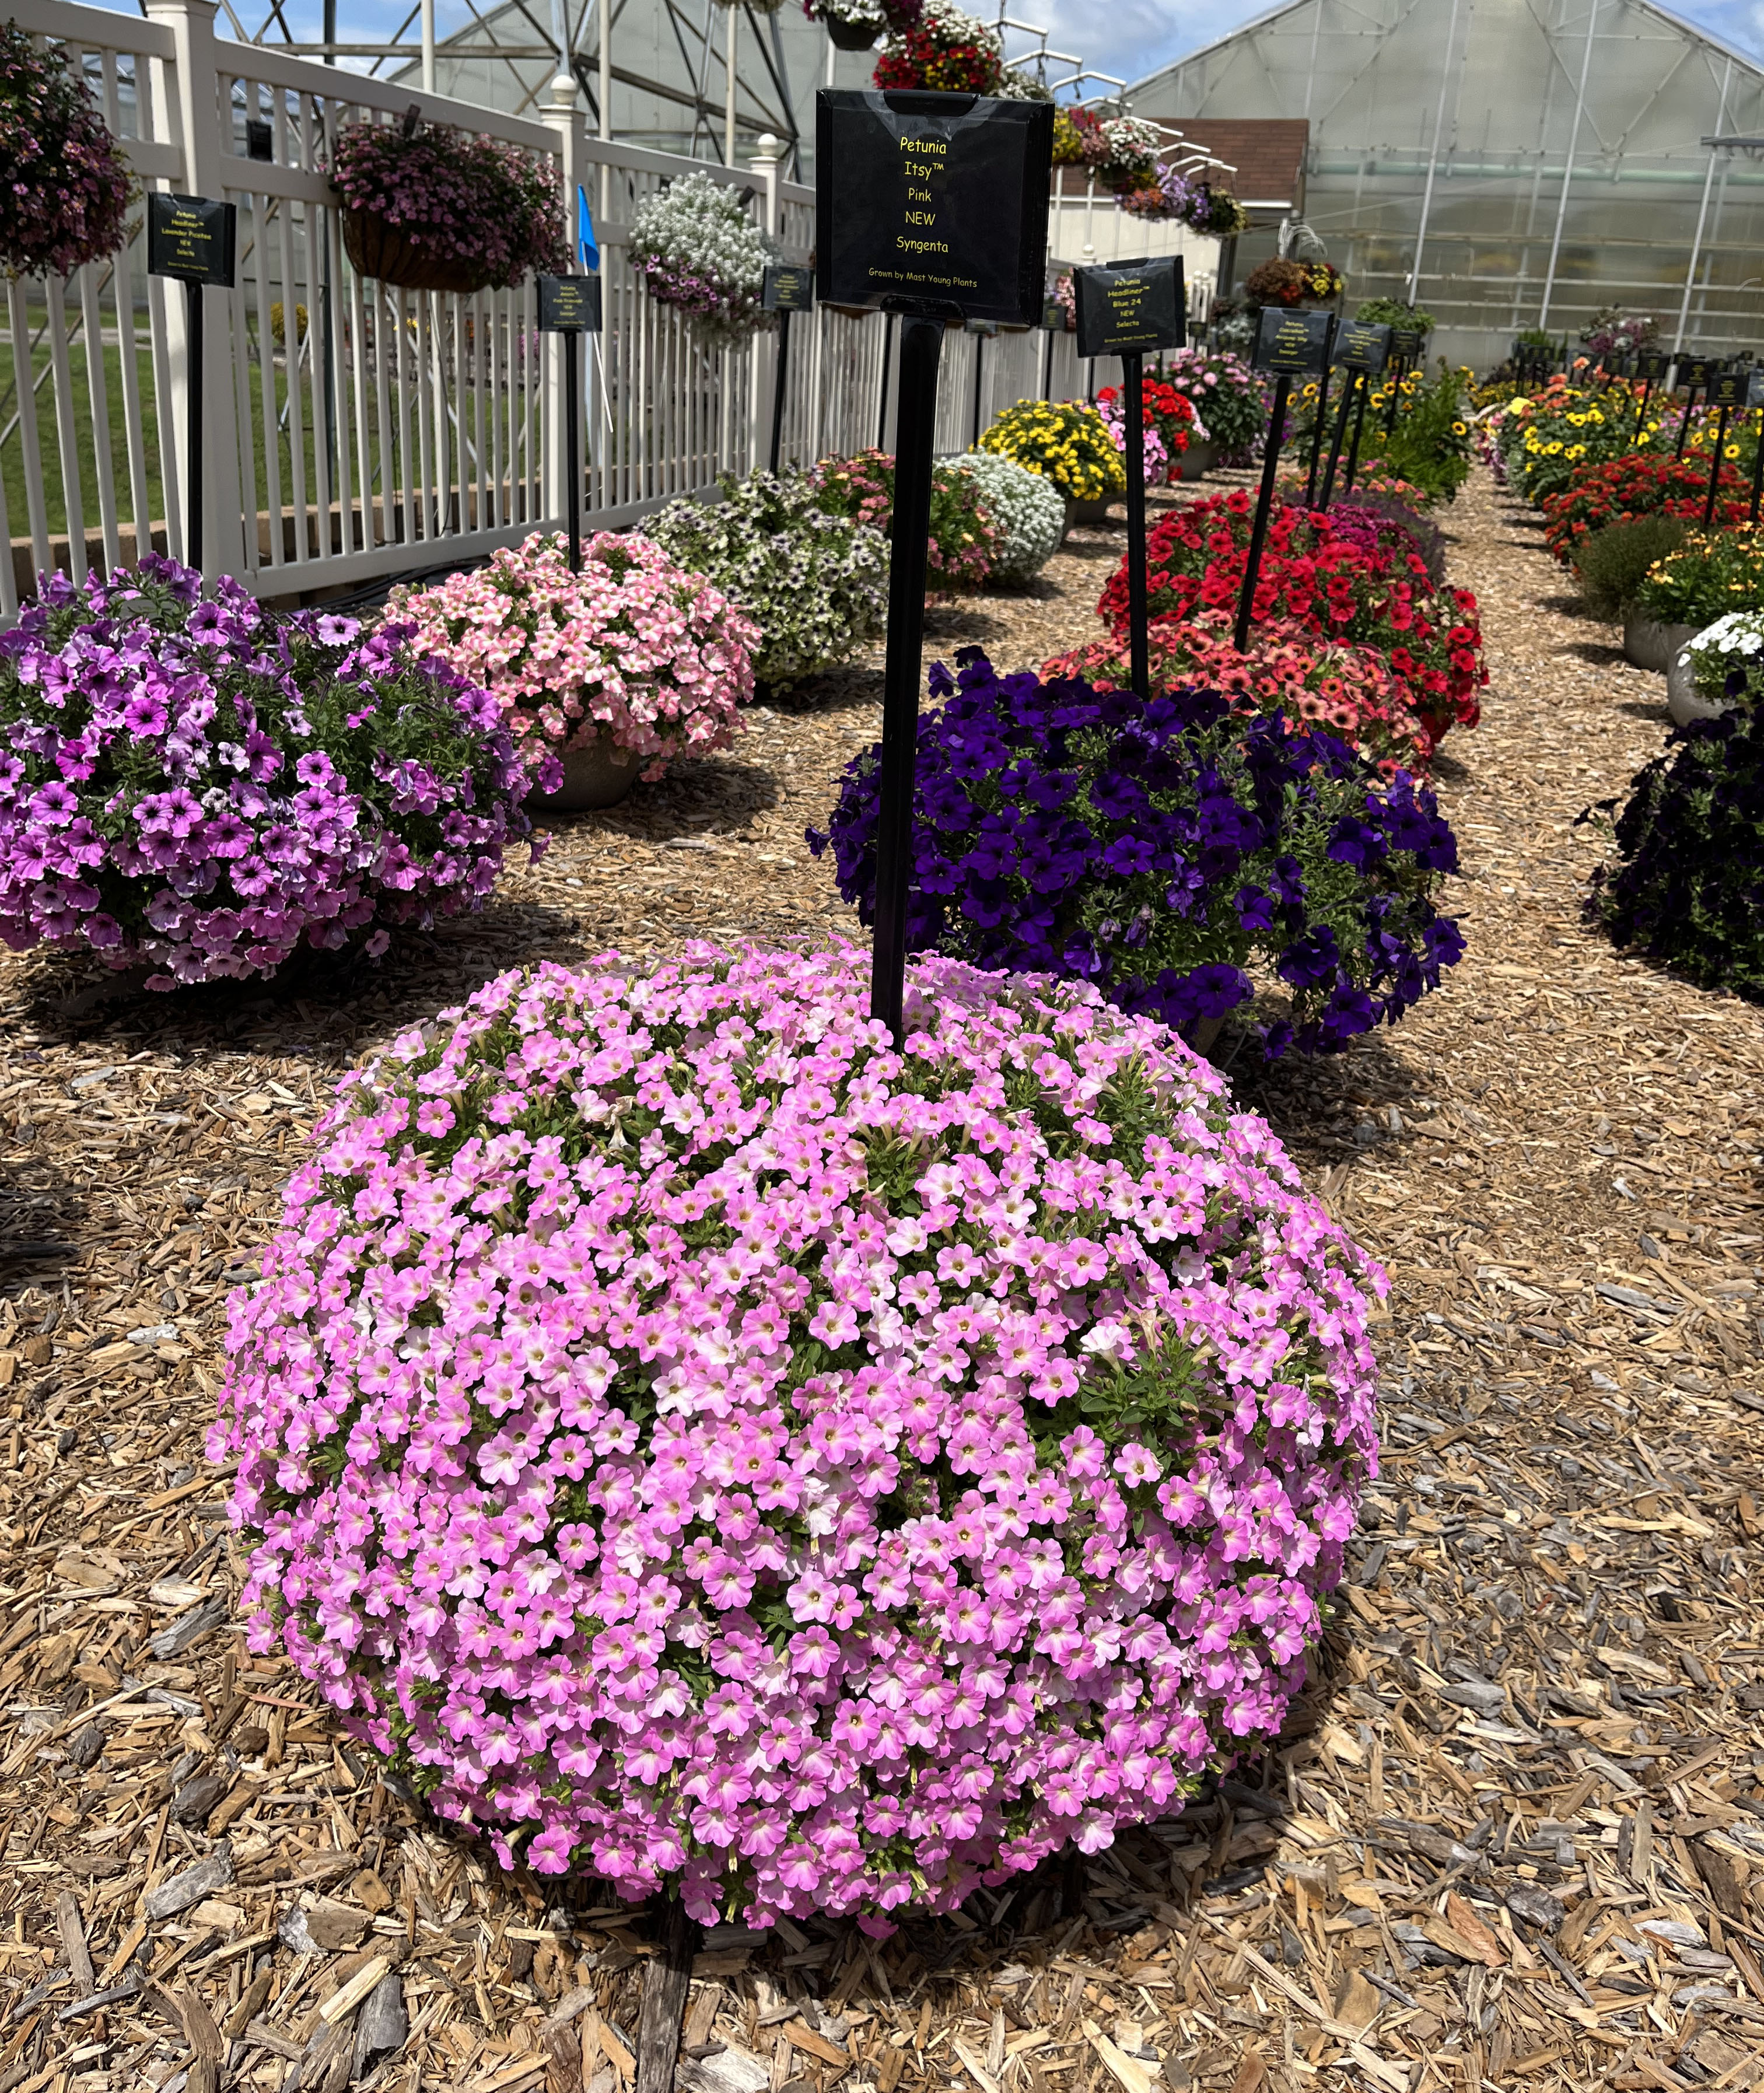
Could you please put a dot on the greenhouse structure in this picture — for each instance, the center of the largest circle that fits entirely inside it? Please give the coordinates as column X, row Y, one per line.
column 1509, row 163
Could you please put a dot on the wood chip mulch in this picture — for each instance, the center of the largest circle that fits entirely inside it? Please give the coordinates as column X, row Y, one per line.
column 1515, row 1836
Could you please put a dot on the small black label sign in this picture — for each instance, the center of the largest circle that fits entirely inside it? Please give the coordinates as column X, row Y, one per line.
column 932, row 203
column 1053, row 316
column 1406, row 342
column 1728, row 389
column 191, row 238
column 788, row 288
column 1650, row 365
column 1697, row 370
column 1130, row 306
column 1293, row 344
column 1361, row 345
column 569, row 304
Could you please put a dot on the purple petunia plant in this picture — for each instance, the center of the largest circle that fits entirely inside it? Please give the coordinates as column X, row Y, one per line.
column 66, row 184
column 707, row 1448
column 1159, row 848
column 200, row 786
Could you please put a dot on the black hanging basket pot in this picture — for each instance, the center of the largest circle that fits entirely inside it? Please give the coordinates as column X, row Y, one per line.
column 851, row 36
column 378, row 248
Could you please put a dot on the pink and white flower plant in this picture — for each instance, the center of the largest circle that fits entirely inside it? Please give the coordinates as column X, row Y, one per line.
column 705, row 1447
column 636, row 648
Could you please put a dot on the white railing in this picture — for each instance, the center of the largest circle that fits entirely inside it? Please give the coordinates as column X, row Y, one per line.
column 353, row 430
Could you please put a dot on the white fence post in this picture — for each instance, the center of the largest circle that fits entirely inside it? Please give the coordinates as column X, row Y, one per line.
column 193, row 120
column 566, row 120
column 762, row 365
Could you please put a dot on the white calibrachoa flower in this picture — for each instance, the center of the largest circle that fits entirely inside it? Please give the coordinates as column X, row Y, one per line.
column 696, row 247
column 816, row 585
column 1028, row 511
column 1734, row 643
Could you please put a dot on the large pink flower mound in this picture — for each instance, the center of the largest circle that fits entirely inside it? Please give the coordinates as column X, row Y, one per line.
column 703, row 1446
column 635, row 649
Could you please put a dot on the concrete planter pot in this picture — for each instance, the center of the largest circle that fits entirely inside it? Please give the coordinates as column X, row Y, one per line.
column 1684, row 701
column 1648, row 644
column 1087, row 512
column 599, row 774
column 1198, row 460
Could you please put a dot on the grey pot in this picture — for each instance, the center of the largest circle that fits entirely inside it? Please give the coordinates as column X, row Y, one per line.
column 598, row 774
column 1087, row 512
column 1684, row 701
column 1198, row 460
column 1648, row 644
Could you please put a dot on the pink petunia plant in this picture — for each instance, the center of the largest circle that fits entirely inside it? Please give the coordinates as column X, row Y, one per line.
column 636, row 648
column 705, row 1447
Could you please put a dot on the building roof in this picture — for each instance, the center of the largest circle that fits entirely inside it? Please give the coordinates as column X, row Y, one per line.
column 1267, row 152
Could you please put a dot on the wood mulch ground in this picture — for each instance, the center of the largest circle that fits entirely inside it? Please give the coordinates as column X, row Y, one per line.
column 1514, row 1839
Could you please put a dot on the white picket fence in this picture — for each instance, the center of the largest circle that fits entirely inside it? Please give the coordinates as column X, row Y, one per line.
column 354, row 431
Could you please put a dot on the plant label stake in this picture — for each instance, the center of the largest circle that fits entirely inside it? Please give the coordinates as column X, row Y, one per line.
column 571, row 305
column 787, row 289
column 1123, row 311
column 1695, row 372
column 1727, row 389
column 934, row 206
column 1405, row 353
column 1053, row 321
column 1321, row 422
column 1365, row 348
column 1289, row 345
column 193, row 239
column 1651, row 368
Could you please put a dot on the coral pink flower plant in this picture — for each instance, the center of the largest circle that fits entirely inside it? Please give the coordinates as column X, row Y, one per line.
column 703, row 1446
column 633, row 648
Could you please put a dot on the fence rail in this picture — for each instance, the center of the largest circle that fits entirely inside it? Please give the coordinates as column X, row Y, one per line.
column 354, row 430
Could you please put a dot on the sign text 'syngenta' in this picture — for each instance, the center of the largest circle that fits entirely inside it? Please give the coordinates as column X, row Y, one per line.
column 930, row 203
column 1130, row 308
column 192, row 239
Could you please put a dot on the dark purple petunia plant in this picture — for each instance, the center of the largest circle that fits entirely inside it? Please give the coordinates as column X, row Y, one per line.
column 1158, row 848
column 202, row 786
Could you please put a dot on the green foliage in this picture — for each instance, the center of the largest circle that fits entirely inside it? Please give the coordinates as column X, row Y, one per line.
column 1429, row 444
column 1712, row 573
column 1613, row 563
column 1394, row 313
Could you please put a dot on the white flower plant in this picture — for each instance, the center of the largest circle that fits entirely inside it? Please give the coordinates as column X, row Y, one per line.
column 1726, row 659
column 697, row 247
column 1028, row 511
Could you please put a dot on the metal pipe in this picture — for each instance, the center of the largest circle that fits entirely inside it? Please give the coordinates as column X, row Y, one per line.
column 1432, row 158
column 428, row 45
column 1568, row 170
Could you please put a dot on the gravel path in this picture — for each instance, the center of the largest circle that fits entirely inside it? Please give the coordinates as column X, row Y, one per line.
column 1514, row 1838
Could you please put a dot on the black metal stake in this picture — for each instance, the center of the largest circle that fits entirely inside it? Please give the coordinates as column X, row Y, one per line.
column 192, row 428
column 921, row 344
column 1138, row 639
column 1359, row 425
column 1263, row 502
column 1047, row 367
column 781, row 377
column 1715, row 468
column 1335, row 440
column 1396, row 376
column 1316, row 438
column 573, row 448
column 1758, row 471
column 882, row 416
column 1684, row 427
column 978, row 379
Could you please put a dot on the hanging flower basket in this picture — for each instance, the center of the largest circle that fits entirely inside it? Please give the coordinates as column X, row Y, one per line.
column 430, row 208
column 696, row 247
column 376, row 247
column 945, row 50
column 66, row 186
column 851, row 36
column 852, row 25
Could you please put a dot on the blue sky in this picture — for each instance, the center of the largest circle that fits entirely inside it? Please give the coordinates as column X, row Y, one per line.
column 1128, row 38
